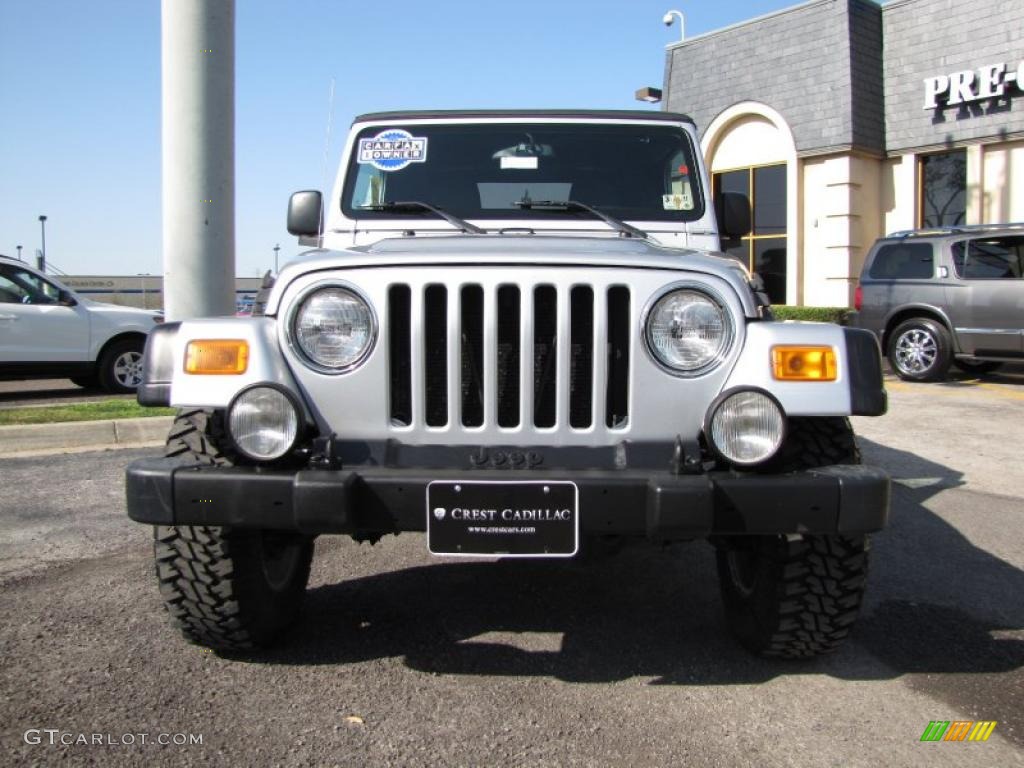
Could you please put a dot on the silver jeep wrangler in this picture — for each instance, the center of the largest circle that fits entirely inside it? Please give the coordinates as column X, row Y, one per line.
column 514, row 334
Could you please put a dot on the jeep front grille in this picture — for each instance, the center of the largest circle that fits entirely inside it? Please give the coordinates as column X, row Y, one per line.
column 531, row 356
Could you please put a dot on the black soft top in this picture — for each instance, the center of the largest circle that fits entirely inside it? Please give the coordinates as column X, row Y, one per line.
column 601, row 114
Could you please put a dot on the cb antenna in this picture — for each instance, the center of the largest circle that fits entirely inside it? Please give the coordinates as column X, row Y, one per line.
column 327, row 153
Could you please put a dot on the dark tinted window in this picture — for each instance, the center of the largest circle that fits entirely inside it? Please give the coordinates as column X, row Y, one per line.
column 481, row 170
column 770, row 200
column 903, row 261
column 992, row 258
column 944, row 189
column 764, row 249
column 737, row 183
column 770, row 264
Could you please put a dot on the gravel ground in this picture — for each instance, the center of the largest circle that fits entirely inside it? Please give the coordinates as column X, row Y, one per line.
column 401, row 659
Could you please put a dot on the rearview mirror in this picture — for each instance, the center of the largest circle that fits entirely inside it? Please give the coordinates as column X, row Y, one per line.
column 733, row 209
column 65, row 298
column 305, row 213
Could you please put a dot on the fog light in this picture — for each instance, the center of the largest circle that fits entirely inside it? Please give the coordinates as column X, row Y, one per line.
column 747, row 427
column 263, row 422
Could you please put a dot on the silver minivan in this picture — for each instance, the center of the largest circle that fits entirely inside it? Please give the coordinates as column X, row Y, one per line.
column 946, row 296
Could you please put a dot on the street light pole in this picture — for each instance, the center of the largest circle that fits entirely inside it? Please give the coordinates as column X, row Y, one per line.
column 276, row 249
column 42, row 258
column 198, row 157
column 667, row 19
column 19, row 252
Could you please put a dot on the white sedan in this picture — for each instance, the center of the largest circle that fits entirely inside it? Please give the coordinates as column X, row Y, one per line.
column 47, row 331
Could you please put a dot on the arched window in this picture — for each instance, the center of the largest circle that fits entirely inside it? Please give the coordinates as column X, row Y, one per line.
column 750, row 151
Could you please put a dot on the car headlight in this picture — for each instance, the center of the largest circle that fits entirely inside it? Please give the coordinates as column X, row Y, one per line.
column 688, row 331
column 263, row 422
column 334, row 329
column 746, row 427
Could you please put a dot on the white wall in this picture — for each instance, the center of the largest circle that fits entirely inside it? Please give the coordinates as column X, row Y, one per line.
column 841, row 219
column 749, row 140
column 898, row 193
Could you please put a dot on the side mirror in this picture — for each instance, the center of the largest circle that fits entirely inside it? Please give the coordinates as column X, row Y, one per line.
column 733, row 209
column 65, row 298
column 305, row 213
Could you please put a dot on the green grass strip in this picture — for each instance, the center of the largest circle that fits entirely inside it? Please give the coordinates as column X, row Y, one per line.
column 838, row 315
column 104, row 409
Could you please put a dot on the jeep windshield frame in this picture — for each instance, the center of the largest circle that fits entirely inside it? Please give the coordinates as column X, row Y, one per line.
column 486, row 170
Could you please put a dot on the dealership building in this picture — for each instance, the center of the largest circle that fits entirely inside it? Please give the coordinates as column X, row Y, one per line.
column 843, row 120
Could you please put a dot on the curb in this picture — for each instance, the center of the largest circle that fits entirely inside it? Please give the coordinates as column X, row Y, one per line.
column 66, row 436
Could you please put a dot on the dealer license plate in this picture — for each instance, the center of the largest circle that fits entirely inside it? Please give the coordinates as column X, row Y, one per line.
column 527, row 518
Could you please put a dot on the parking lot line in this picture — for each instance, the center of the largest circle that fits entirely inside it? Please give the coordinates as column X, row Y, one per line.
column 962, row 388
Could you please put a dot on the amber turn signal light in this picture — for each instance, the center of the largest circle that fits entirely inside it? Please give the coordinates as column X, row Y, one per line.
column 804, row 363
column 224, row 357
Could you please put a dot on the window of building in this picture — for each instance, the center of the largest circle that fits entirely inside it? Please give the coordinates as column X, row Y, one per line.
column 764, row 249
column 997, row 258
column 942, row 184
column 903, row 261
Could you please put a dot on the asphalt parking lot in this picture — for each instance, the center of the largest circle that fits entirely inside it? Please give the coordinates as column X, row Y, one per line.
column 401, row 659
column 17, row 394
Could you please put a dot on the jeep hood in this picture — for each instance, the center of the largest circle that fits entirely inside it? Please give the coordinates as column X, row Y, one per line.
column 494, row 250
column 547, row 249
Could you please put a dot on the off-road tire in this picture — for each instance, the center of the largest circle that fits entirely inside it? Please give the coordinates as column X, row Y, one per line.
column 120, row 366
column 920, row 349
column 817, row 441
column 226, row 589
column 797, row 596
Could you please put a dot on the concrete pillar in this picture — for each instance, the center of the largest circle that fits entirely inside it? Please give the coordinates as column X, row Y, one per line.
column 198, row 45
column 842, row 215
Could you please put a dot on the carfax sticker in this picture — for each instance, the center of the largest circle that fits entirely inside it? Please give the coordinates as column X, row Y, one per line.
column 392, row 150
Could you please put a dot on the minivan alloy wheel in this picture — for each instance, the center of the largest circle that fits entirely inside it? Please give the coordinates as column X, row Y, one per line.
column 919, row 349
column 119, row 368
column 916, row 350
column 128, row 369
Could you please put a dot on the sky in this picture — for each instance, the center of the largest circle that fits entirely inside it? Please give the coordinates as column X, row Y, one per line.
column 80, row 94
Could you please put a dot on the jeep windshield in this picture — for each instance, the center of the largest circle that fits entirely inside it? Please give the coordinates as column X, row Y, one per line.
column 496, row 170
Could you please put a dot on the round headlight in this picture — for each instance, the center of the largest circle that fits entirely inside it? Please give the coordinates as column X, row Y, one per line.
column 264, row 423
column 334, row 328
column 688, row 332
column 747, row 427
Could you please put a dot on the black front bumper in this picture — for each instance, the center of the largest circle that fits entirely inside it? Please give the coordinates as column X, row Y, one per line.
column 372, row 500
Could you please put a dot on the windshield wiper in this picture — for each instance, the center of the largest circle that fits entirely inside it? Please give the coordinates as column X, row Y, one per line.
column 575, row 205
column 409, row 206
